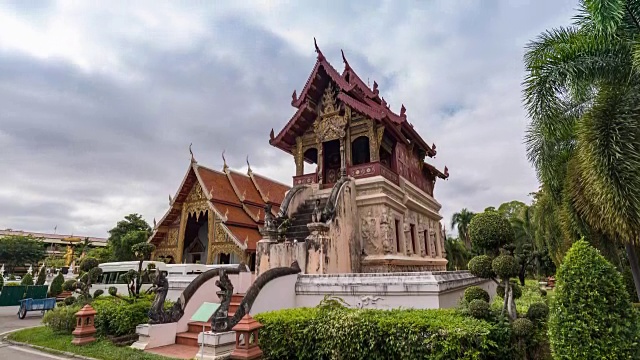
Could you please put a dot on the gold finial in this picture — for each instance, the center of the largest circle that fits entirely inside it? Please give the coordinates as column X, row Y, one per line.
column 244, row 194
column 249, row 172
column 224, row 167
column 226, row 213
column 170, row 200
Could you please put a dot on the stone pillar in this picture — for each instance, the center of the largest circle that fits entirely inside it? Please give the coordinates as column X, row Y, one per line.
column 343, row 158
column 317, row 249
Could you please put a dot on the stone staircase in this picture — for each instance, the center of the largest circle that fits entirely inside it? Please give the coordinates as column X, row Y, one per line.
column 298, row 229
column 190, row 337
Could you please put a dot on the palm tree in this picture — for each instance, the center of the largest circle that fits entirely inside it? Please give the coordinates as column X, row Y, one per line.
column 457, row 254
column 582, row 94
column 461, row 220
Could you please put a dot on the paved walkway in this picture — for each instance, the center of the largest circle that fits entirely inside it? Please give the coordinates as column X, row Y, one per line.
column 12, row 352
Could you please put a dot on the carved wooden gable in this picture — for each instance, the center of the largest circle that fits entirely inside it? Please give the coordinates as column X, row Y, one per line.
column 330, row 125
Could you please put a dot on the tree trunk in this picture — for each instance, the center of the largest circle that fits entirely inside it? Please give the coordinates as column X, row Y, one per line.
column 506, row 298
column 522, row 274
column 139, row 278
column 511, row 305
column 635, row 268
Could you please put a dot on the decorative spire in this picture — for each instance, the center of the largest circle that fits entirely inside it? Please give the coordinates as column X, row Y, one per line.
column 249, row 172
column 154, row 223
column 346, row 63
column 193, row 159
column 320, row 55
column 224, row 161
column 403, row 112
column 170, row 200
column 446, row 172
column 272, row 135
column 375, row 88
column 294, row 97
column 384, row 102
column 433, row 147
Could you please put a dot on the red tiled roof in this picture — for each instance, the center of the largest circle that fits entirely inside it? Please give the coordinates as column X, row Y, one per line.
column 241, row 233
column 234, row 214
column 222, row 190
column 272, row 190
column 246, row 188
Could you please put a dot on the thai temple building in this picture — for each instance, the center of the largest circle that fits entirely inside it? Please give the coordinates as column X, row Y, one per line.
column 214, row 217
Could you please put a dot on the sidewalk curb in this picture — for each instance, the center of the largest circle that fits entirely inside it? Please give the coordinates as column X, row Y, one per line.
column 3, row 338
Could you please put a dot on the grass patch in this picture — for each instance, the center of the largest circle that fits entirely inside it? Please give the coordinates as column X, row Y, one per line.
column 100, row 349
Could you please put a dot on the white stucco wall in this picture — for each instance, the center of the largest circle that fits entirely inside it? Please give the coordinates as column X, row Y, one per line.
column 277, row 294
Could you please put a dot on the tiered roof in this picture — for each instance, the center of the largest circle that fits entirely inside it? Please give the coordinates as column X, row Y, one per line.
column 353, row 92
column 236, row 198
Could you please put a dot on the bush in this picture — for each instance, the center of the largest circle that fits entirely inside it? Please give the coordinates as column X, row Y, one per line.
column 113, row 291
column 490, row 231
column 538, row 311
column 523, row 328
column 69, row 300
column 61, row 319
column 505, row 266
column 89, row 263
column 97, row 293
column 1, row 282
column 591, row 315
column 479, row 309
column 27, row 280
column 12, row 277
column 480, row 266
column 56, row 285
column 475, row 293
column 69, row 285
column 42, row 276
column 543, row 292
column 118, row 317
column 310, row 333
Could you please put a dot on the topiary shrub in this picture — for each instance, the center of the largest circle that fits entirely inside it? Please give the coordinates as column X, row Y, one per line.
column 479, row 309
column 69, row 285
column 97, row 293
column 476, row 293
column 543, row 292
column 480, row 266
column 42, row 276
column 515, row 288
column 61, row 319
column 538, row 312
column 27, row 280
column 69, row 300
column 591, row 316
column 504, row 266
column 89, row 263
column 113, row 291
column 56, row 285
column 490, row 231
column 523, row 328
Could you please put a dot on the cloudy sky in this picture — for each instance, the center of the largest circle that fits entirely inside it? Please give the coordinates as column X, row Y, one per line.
column 100, row 100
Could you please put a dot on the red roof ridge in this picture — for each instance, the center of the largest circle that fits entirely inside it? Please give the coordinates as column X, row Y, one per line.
column 273, row 181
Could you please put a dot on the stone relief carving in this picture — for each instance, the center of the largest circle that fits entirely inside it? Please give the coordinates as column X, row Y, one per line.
column 407, row 237
column 330, row 129
column 421, row 241
column 386, row 230
column 432, row 242
column 368, row 229
column 368, row 302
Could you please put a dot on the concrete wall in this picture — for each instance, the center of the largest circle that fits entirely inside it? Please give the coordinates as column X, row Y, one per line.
column 205, row 293
column 277, row 294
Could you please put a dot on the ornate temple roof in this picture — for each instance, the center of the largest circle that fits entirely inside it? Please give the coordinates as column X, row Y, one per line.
column 353, row 92
column 236, row 198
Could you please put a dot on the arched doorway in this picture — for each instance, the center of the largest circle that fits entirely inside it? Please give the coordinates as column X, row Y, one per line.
column 331, row 161
column 196, row 238
column 360, row 151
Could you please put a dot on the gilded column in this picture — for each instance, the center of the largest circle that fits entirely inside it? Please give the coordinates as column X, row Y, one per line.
column 320, row 162
column 210, row 222
column 373, row 143
column 299, row 157
column 183, row 226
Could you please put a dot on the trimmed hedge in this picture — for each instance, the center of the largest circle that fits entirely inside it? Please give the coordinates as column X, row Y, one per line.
column 476, row 293
column 312, row 333
column 591, row 315
column 490, row 231
column 56, row 285
column 61, row 319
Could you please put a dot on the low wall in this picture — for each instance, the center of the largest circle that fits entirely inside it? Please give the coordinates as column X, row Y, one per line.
column 277, row 294
column 156, row 335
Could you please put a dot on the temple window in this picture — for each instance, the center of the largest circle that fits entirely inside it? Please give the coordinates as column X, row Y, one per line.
column 360, row 151
column 426, row 243
column 413, row 237
column 397, row 223
column 311, row 155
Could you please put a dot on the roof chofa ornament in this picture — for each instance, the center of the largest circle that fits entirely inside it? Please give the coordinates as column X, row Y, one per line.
column 170, row 200
column 320, row 55
column 225, row 168
column 155, row 225
column 403, row 111
column 344, row 59
column 193, row 159
column 249, row 172
column 294, row 97
column 272, row 135
column 375, row 88
column 446, row 172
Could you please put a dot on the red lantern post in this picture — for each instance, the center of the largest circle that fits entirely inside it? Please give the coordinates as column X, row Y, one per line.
column 247, row 345
column 85, row 329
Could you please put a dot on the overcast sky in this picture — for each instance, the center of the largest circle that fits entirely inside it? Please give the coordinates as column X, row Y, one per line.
column 100, row 100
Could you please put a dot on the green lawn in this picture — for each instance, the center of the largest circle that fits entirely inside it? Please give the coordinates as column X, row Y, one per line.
column 100, row 349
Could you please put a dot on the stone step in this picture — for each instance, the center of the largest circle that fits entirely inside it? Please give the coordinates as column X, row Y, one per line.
column 187, row 338
column 196, row 326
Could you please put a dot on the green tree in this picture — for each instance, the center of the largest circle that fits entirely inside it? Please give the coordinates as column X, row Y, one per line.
column 582, row 94
column 142, row 252
column 27, row 280
column 591, row 316
column 457, row 254
column 461, row 220
column 102, row 254
column 128, row 232
column 512, row 209
column 18, row 250
column 56, row 285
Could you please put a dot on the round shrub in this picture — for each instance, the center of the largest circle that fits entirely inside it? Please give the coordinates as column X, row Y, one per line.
column 61, row 319
column 490, row 231
column 113, row 291
column 69, row 300
column 476, row 293
column 591, row 315
column 97, row 293
column 517, row 290
column 56, row 285
column 543, row 292
column 89, row 263
column 522, row 328
column 538, row 311
column 69, row 285
column 27, row 280
column 479, row 309
column 504, row 266
column 480, row 266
